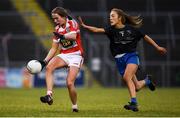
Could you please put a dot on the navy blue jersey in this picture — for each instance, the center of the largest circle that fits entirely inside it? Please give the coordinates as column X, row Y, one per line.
column 123, row 40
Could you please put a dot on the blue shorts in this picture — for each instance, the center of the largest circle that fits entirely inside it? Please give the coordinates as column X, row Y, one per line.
column 128, row 58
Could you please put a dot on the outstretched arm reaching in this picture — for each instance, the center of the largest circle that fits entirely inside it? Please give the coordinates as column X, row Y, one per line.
column 91, row 28
column 161, row 50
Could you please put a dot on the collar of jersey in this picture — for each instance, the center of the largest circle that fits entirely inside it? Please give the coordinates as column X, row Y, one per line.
column 61, row 29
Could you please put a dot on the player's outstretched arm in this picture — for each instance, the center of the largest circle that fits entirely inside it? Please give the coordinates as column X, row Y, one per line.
column 52, row 51
column 161, row 50
column 91, row 28
column 50, row 55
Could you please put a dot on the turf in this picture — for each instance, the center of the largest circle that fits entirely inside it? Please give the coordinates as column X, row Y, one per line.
column 92, row 102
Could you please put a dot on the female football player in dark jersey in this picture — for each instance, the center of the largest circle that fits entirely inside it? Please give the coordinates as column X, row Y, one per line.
column 124, row 35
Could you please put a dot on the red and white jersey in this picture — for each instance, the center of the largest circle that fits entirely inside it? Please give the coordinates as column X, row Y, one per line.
column 69, row 46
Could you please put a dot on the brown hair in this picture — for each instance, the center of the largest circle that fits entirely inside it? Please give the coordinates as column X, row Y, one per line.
column 135, row 21
column 60, row 11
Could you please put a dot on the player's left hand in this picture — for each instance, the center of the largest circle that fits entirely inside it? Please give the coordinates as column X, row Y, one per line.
column 162, row 50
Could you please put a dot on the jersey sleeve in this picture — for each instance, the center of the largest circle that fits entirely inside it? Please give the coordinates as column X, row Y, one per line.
column 141, row 34
column 107, row 30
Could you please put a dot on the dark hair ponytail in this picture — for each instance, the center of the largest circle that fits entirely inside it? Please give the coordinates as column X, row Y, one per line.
column 135, row 21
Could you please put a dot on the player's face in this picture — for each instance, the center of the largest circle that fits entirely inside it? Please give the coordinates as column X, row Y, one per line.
column 114, row 18
column 58, row 20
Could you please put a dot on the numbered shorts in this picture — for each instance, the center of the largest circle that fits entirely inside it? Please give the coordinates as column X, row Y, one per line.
column 127, row 58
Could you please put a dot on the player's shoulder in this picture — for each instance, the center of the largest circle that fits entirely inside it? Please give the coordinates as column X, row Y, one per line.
column 132, row 27
column 108, row 28
column 138, row 30
column 129, row 26
column 73, row 23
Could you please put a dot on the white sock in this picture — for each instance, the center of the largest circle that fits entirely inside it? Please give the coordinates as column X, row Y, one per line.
column 49, row 92
column 74, row 106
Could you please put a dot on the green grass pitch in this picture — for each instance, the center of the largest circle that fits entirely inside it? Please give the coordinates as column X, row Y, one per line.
column 92, row 102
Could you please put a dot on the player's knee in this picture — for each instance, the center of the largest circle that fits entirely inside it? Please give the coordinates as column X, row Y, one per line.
column 49, row 68
column 126, row 78
column 70, row 84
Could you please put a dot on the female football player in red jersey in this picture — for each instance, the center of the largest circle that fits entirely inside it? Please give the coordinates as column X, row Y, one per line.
column 67, row 40
column 124, row 35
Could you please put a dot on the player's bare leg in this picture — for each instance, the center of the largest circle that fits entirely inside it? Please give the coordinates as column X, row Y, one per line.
column 128, row 78
column 56, row 62
column 138, row 84
column 73, row 71
column 147, row 81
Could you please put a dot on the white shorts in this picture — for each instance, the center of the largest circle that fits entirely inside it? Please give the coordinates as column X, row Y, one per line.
column 72, row 59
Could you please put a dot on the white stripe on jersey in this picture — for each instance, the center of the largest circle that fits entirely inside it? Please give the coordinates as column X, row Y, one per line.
column 56, row 41
column 74, row 23
column 70, row 33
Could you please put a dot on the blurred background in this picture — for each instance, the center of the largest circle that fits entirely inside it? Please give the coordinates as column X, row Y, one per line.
column 26, row 29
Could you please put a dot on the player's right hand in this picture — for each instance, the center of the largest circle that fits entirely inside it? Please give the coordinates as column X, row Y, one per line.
column 43, row 63
column 162, row 50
